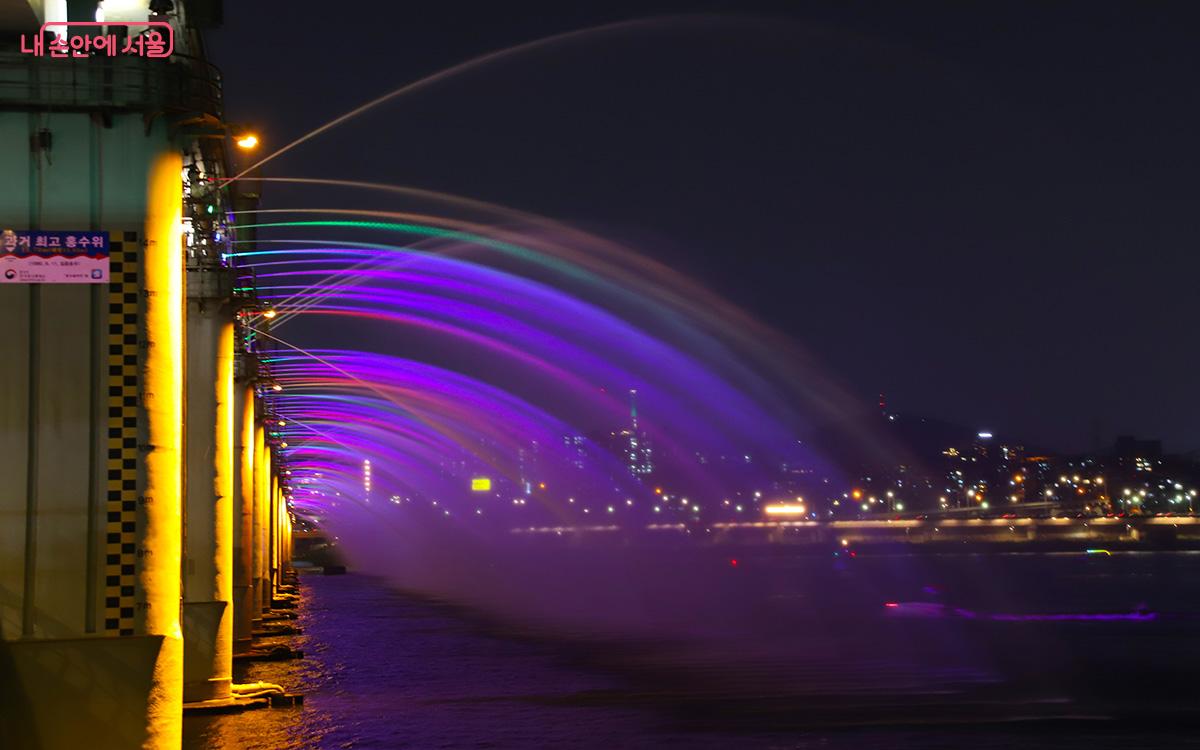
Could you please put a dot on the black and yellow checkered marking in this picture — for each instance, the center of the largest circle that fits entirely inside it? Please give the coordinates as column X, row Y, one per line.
column 120, row 548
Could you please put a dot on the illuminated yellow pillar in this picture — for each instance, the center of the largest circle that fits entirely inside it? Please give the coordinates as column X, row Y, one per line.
column 264, row 520
column 287, row 539
column 261, row 471
column 160, row 512
column 208, row 541
column 244, row 609
column 269, row 557
column 291, row 543
column 285, row 559
column 276, row 494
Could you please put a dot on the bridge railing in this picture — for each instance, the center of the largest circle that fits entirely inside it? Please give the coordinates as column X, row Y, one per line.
column 180, row 84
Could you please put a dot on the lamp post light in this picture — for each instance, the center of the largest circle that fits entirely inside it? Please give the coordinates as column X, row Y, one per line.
column 246, row 141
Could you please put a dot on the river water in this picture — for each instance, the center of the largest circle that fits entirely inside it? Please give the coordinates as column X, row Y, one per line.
column 386, row 669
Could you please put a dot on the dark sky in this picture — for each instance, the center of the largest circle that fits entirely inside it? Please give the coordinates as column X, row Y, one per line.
column 987, row 210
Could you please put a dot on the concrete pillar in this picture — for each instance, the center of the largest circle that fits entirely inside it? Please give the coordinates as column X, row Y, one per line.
column 160, row 514
column 287, row 540
column 90, row 441
column 244, row 610
column 261, row 471
column 208, row 538
column 285, row 558
column 264, row 520
column 274, row 536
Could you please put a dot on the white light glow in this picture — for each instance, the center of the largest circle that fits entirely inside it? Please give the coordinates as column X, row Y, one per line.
column 785, row 509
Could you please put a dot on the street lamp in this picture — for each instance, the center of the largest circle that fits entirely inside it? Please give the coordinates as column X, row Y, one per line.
column 268, row 313
column 246, row 141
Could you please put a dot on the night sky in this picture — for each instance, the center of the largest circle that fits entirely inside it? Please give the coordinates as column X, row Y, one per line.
column 985, row 210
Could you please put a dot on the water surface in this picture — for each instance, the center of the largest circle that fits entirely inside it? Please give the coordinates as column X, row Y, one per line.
column 384, row 669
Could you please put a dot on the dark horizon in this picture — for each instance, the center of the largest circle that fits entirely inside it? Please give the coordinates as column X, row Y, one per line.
column 981, row 211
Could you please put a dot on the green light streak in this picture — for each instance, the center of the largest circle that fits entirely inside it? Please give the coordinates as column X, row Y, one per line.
column 421, row 230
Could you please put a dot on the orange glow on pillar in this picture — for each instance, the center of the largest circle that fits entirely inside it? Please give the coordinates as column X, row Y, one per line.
column 161, row 512
column 224, row 459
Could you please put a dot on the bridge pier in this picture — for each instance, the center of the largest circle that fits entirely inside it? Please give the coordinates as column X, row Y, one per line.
column 262, row 483
column 208, row 532
column 91, row 648
column 101, row 571
column 243, row 518
column 161, row 503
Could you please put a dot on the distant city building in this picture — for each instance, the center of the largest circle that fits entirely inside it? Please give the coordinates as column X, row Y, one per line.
column 576, row 450
column 636, row 446
column 978, row 473
column 529, row 467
